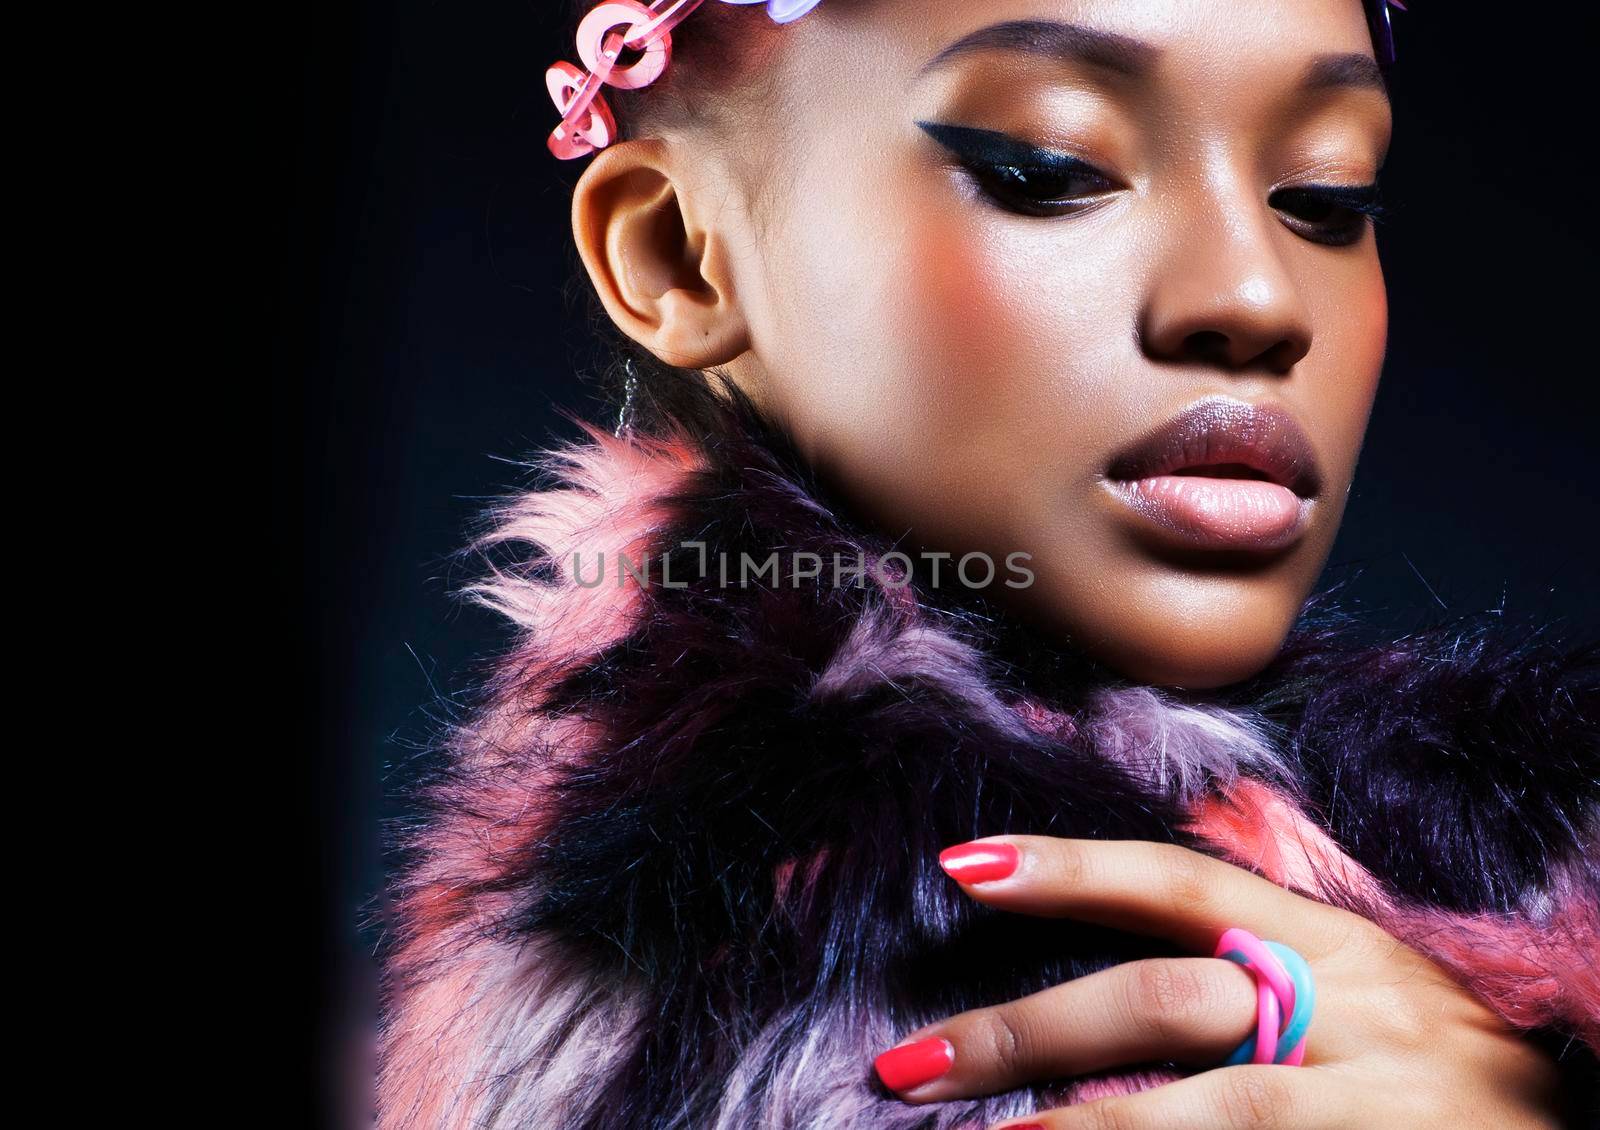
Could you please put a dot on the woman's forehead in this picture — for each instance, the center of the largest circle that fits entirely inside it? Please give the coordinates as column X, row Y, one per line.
column 1264, row 67
column 1127, row 34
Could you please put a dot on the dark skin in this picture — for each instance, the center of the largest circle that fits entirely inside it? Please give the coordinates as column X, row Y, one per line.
column 964, row 358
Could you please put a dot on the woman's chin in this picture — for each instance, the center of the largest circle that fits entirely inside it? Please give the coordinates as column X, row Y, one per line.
column 1197, row 653
column 1203, row 670
column 1190, row 636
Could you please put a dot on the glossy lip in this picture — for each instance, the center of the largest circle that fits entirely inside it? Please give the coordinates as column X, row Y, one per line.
column 1218, row 511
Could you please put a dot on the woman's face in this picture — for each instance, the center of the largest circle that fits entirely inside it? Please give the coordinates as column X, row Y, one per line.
column 985, row 250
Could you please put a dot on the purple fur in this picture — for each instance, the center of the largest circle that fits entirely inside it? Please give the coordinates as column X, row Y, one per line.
column 726, row 901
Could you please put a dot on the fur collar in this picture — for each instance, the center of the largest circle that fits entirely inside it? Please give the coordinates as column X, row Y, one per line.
column 677, row 867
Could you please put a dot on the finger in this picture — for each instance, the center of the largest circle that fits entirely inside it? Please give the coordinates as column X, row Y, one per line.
column 1231, row 1098
column 1193, row 1010
column 1147, row 888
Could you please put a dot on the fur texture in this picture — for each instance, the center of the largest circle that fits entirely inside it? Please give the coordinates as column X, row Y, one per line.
column 678, row 869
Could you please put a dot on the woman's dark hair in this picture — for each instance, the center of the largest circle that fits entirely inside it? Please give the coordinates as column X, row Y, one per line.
column 632, row 379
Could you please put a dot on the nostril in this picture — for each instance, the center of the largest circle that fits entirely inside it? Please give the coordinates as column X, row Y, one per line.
column 1209, row 345
column 1214, row 347
column 1285, row 355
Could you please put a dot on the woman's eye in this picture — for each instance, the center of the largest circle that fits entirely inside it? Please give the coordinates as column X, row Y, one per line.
column 1041, row 189
column 1021, row 177
column 1338, row 215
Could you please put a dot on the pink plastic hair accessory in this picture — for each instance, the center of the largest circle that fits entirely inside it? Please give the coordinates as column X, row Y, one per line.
column 612, row 28
column 633, row 20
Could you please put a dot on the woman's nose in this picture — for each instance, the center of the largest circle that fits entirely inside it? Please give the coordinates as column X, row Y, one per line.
column 1223, row 296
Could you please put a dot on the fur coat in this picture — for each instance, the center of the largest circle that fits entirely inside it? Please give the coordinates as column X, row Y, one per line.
column 678, row 868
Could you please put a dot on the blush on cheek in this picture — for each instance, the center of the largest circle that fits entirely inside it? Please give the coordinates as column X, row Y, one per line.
column 1362, row 307
column 961, row 320
column 1366, row 331
column 1339, row 377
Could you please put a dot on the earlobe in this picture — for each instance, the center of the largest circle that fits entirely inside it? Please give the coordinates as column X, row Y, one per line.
column 662, row 277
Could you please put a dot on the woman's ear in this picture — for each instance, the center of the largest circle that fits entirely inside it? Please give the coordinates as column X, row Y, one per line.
column 663, row 278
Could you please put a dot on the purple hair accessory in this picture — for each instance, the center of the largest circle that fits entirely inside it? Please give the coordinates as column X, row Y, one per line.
column 1382, row 30
column 782, row 11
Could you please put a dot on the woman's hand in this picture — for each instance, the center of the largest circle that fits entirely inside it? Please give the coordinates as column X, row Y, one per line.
column 1394, row 1040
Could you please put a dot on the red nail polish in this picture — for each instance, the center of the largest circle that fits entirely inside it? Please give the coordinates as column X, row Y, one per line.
column 912, row 1065
column 979, row 863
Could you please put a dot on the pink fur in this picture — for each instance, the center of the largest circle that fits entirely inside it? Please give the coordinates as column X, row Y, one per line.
column 1113, row 1086
column 609, row 506
column 453, row 987
column 477, row 1035
column 482, row 1031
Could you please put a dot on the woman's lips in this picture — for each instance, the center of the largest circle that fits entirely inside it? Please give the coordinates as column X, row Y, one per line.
column 1208, row 513
column 1222, row 475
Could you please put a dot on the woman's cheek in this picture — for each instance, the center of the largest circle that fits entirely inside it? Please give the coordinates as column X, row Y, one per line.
column 964, row 326
column 1345, row 368
column 1015, row 315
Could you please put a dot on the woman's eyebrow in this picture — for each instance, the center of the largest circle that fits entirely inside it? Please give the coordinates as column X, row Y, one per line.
column 1074, row 42
column 1126, row 55
column 1360, row 72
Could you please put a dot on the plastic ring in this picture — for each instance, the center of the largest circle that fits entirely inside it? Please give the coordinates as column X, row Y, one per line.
column 1286, row 998
column 662, row 20
column 586, row 124
column 615, row 15
column 1292, row 1042
column 614, row 29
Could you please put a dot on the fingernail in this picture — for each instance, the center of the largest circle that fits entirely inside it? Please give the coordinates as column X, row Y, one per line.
column 912, row 1065
column 979, row 862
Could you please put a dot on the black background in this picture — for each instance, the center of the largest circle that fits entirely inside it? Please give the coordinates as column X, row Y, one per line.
column 426, row 331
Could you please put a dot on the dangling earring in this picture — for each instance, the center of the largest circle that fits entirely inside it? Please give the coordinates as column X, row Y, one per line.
column 630, row 385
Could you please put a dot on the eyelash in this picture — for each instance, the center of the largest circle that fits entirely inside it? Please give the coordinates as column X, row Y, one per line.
column 1345, row 211
column 1021, row 177
column 1030, row 181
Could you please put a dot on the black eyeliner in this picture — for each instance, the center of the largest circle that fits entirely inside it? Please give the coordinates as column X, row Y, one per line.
column 1364, row 198
column 998, row 150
